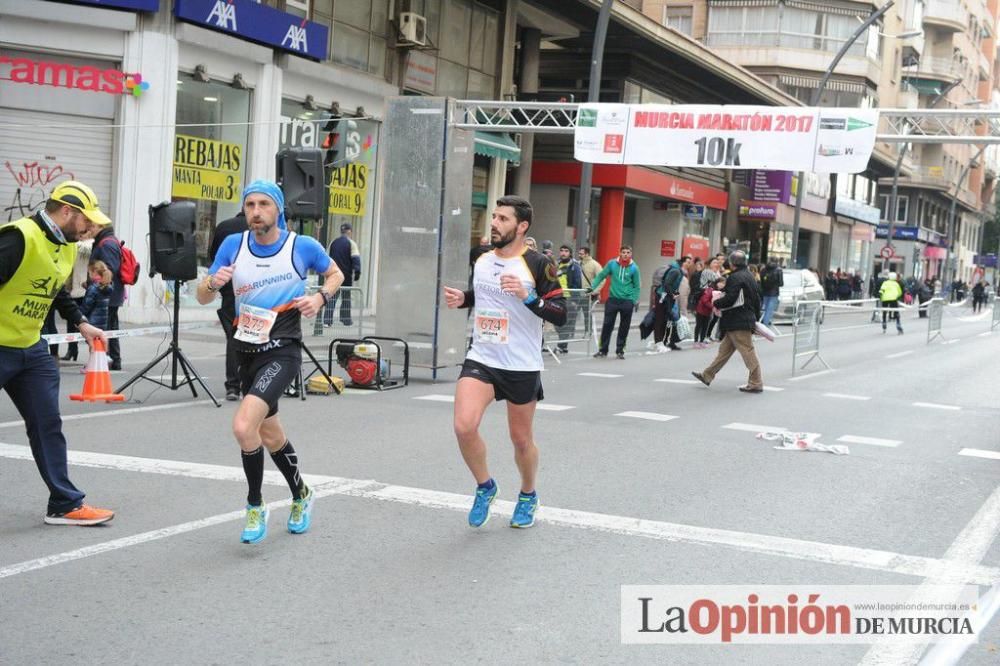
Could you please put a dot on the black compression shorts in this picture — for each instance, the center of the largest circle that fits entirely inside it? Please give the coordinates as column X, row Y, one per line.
column 267, row 374
column 516, row 386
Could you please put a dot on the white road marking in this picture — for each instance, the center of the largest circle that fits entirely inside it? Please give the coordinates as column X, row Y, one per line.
column 936, row 405
column 669, row 380
column 980, row 453
column 874, row 441
column 598, row 374
column 900, row 354
column 968, row 550
column 811, row 551
column 549, row 407
column 437, row 397
column 811, row 374
column 952, row 341
column 847, row 396
column 116, row 412
column 983, row 335
column 649, row 416
column 770, row 388
column 752, row 427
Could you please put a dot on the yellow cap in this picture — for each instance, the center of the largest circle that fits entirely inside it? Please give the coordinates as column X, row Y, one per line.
column 81, row 197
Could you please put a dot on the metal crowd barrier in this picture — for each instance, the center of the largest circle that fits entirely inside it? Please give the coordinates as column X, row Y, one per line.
column 996, row 315
column 578, row 326
column 343, row 316
column 805, row 334
column 935, row 315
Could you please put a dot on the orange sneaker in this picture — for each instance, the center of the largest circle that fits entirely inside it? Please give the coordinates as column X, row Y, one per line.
column 82, row 515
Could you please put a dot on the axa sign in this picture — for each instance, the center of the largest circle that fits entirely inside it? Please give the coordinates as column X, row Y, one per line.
column 223, row 15
column 259, row 23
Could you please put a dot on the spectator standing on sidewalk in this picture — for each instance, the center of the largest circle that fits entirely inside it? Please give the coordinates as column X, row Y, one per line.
column 623, row 301
column 570, row 277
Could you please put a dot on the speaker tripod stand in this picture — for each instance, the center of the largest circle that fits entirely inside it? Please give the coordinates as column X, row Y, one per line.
column 177, row 357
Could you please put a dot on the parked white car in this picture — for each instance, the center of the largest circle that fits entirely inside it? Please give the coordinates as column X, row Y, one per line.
column 799, row 285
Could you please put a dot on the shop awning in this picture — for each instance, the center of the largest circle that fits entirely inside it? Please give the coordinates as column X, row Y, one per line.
column 497, row 144
column 925, row 86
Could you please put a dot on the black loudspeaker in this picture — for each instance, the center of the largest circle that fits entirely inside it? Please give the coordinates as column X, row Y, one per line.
column 300, row 177
column 171, row 240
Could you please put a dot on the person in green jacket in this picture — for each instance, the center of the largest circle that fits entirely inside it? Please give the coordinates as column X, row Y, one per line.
column 624, row 299
column 889, row 293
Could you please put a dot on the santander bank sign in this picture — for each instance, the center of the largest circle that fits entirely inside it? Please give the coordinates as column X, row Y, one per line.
column 65, row 75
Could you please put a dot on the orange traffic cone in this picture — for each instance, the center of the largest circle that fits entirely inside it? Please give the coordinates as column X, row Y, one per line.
column 97, row 382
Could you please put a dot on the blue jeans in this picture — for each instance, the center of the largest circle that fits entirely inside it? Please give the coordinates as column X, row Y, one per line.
column 770, row 305
column 31, row 378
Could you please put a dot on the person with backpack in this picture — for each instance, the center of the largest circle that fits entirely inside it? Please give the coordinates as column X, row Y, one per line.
column 124, row 270
column 771, row 282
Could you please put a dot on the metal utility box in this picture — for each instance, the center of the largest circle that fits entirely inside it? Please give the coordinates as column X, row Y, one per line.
column 424, row 229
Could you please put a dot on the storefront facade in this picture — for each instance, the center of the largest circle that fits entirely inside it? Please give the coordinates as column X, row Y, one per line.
column 189, row 100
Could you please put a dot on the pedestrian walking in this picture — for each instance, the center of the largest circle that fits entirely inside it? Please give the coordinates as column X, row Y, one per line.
column 623, row 301
column 37, row 254
column 741, row 308
column 267, row 265
column 514, row 291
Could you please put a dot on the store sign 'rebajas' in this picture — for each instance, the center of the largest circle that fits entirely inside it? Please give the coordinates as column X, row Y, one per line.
column 206, row 169
column 348, row 189
column 727, row 137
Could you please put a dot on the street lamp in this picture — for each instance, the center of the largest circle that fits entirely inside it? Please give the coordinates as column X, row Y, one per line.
column 891, row 212
column 593, row 95
column 872, row 18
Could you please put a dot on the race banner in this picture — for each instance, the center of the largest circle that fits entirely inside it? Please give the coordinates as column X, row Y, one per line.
column 727, row 137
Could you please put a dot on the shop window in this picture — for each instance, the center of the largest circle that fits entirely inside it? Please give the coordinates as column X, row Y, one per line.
column 210, row 153
column 351, row 181
column 358, row 31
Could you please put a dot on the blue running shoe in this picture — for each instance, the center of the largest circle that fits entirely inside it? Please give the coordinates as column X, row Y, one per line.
column 524, row 512
column 480, row 512
column 301, row 515
column 256, row 526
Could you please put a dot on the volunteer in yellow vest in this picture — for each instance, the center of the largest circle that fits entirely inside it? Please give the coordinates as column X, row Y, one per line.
column 889, row 293
column 36, row 257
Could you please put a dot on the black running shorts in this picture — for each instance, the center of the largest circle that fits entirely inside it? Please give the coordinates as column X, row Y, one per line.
column 516, row 386
column 267, row 374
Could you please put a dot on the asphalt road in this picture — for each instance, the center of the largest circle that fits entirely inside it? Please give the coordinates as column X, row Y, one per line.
column 647, row 477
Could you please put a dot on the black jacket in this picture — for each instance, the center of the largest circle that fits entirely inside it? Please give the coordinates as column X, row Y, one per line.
column 772, row 281
column 739, row 317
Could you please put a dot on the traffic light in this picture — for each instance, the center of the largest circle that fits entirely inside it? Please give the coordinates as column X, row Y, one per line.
column 332, row 144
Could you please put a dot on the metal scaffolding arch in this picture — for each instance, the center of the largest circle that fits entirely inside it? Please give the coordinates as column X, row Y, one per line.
column 980, row 126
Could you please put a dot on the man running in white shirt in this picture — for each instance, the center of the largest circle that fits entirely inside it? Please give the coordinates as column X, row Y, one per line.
column 514, row 289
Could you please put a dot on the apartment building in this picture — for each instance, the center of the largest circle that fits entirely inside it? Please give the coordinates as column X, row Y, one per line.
column 921, row 54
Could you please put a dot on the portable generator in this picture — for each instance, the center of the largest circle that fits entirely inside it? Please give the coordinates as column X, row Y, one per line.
column 366, row 365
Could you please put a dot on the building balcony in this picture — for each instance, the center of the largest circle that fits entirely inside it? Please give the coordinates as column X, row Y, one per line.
column 934, row 70
column 946, row 14
column 803, row 61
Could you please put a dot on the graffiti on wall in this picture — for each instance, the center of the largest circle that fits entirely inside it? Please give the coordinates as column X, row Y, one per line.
column 33, row 181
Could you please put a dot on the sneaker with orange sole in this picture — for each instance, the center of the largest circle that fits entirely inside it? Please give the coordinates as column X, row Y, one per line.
column 83, row 515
